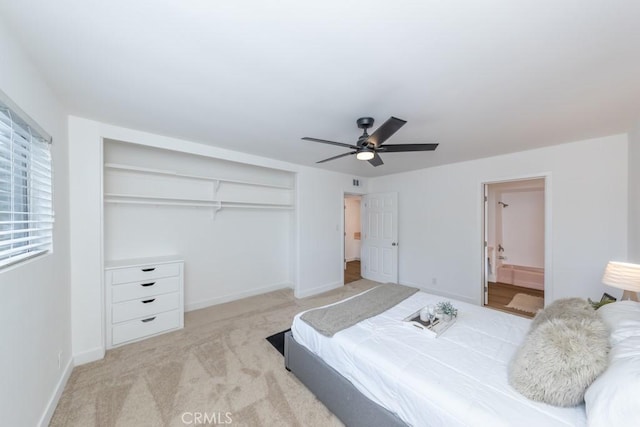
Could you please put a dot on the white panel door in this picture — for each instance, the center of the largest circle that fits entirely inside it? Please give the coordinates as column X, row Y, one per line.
column 380, row 237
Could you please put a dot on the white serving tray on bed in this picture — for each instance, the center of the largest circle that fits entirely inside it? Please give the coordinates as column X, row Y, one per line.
column 435, row 329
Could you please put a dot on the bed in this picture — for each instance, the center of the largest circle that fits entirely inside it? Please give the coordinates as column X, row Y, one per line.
column 383, row 372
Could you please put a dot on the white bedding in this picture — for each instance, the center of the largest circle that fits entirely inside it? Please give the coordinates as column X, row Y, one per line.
column 457, row 379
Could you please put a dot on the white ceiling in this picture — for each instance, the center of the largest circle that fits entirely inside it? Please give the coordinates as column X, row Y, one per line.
column 479, row 77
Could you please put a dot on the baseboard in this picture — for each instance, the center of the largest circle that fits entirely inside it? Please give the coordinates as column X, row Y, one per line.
column 352, row 259
column 88, row 356
column 318, row 290
column 57, row 393
column 239, row 295
column 441, row 293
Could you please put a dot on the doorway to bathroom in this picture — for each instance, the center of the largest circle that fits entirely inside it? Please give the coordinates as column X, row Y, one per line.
column 514, row 245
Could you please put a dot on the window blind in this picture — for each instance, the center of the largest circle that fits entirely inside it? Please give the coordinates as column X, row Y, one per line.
column 26, row 199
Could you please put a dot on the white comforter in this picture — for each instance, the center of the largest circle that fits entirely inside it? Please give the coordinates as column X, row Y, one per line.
column 457, row 379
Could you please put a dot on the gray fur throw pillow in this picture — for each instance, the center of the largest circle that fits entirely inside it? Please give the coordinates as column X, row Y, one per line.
column 560, row 358
column 567, row 308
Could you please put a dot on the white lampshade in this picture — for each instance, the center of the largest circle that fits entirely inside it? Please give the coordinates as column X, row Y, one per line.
column 623, row 275
column 365, row 155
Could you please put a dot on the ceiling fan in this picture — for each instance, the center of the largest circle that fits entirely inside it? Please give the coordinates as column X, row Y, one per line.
column 368, row 146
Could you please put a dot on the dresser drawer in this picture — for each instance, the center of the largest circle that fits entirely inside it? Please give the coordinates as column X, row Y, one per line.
column 144, row 307
column 144, row 289
column 135, row 329
column 144, row 273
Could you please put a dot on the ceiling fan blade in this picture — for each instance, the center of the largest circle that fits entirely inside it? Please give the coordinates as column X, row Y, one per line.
column 337, row 157
column 324, row 141
column 399, row 148
column 376, row 161
column 387, row 129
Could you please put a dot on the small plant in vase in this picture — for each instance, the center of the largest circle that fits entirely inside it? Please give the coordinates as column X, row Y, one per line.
column 447, row 309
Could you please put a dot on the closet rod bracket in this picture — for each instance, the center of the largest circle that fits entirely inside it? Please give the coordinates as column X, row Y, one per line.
column 215, row 209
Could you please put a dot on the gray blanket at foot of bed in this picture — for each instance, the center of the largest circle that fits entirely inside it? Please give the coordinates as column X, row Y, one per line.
column 332, row 319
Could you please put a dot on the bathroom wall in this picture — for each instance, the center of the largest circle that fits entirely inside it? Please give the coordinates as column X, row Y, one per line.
column 519, row 227
column 523, row 228
column 351, row 226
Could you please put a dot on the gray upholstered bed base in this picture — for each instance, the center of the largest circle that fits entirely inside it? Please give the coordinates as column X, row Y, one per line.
column 332, row 389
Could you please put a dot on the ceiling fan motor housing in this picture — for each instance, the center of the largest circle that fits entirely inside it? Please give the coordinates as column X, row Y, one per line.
column 365, row 122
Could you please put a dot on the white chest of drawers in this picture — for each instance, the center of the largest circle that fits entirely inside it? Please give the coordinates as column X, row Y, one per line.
column 144, row 297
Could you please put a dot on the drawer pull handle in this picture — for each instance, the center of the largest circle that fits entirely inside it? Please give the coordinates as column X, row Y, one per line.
column 149, row 319
column 148, row 301
column 148, row 269
column 147, row 284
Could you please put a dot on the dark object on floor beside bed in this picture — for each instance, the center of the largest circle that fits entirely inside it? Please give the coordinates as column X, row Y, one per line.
column 332, row 389
column 277, row 340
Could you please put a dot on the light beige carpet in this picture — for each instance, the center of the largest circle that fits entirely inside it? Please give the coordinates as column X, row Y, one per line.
column 220, row 365
column 526, row 303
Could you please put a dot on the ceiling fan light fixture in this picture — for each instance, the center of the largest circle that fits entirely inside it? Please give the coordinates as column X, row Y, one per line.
column 368, row 147
column 365, row 154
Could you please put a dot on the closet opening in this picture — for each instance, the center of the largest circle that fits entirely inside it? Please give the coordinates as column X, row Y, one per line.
column 231, row 223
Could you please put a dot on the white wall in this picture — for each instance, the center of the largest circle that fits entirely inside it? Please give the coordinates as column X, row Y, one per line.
column 441, row 217
column 85, row 193
column 523, row 228
column 315, row 248
column 351, row 226
column 320, row 229
column 35, row 320
column 634, row 195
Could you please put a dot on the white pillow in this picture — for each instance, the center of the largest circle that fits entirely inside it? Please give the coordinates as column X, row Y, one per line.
column 622, row 318
column 614, row 397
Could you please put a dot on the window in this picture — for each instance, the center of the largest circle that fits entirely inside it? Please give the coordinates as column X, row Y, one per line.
column 26, row 202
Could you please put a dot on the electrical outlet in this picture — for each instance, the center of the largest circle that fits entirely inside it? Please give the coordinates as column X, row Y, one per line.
column 60, row 360
column 434, row 281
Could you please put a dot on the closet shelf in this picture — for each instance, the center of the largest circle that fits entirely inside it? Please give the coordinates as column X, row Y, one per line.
column 174, row 201
column 121, row 167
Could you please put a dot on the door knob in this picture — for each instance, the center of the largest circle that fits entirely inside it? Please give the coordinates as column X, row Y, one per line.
column 394, row 244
